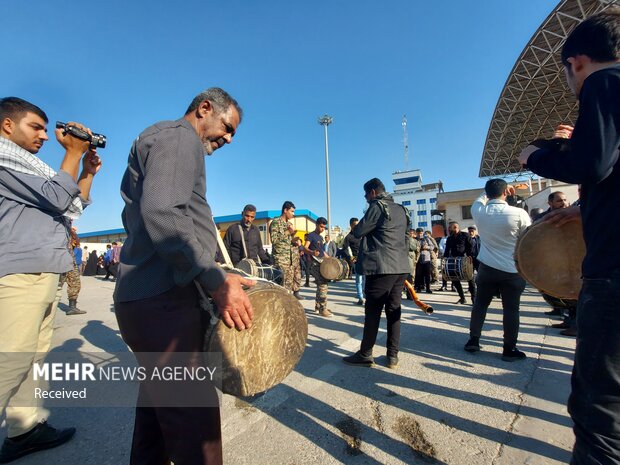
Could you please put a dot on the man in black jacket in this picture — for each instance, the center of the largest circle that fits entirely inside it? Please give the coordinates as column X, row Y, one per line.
column 243, row 240
column 383, row 259
column 458, row 244
column 591, row 58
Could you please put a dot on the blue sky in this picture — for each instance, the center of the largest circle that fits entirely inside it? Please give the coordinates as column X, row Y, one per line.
column 119, row 66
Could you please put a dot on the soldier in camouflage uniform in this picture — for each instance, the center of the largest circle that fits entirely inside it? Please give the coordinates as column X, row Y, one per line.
column 72, row 278
column 314, row 247
column 282, row 232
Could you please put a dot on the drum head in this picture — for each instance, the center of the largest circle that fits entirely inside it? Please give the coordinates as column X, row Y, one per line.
column 330, row 268
column 258, row 358
column 549, row 258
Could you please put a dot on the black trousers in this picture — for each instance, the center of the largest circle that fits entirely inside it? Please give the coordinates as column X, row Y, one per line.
column 471, row 287
column 423, row 276
column 170, row 322
column 594, row 402
column 492, row 281
column 382, row 291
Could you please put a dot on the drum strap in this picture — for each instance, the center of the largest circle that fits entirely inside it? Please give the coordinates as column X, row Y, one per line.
column 245, row 249
column 222, row 247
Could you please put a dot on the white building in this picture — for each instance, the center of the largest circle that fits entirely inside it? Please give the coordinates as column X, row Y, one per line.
column 420, row 199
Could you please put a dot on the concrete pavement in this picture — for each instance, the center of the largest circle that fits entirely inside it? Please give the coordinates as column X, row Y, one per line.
column 442, row 404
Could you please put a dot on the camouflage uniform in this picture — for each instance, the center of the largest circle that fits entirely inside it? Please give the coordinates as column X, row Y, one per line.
column 413, row 253
column 296, row 284
column 321, row 286
column 282, row 252
column 72, row 278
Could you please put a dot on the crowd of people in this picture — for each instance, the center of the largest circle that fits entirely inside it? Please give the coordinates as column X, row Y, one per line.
column 169, row 257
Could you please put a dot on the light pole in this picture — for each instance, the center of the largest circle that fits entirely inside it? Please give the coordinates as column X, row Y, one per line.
column 326, row 121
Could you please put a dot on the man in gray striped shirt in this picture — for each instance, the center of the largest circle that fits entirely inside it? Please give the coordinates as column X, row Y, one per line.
column 171, row 244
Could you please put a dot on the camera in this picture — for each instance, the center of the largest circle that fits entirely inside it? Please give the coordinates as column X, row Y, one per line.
column 96, row 140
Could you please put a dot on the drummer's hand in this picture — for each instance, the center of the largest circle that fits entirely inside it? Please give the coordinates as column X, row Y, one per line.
column 562, row 216
column 510, row 190
column 316, row 253
column 563, row 131
column 233, row 303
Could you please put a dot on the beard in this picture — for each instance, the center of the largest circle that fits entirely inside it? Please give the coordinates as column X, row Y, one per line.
column 208, row 148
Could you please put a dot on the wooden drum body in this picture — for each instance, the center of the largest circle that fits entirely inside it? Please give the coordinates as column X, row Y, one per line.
column 256, row 359
column 257, row 270
column 457, row 268
column 334, row 269
column 549, row 258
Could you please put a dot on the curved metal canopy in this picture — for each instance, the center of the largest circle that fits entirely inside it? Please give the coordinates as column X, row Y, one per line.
column 535, row 98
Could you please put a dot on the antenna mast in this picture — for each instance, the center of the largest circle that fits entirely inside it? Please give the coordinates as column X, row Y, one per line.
column 406, row 142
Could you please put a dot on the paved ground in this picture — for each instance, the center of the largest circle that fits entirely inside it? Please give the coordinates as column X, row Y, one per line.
column 441, row 406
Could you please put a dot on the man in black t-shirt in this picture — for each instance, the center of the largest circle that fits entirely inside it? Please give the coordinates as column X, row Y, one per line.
column 314, row 248
column 458, row 244
column 591, row 59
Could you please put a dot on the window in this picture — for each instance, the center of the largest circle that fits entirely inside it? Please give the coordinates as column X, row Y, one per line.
column 466, row 212
column 421, row 201
column 422, row 213
column 433, row 200
column 406, row 202
column 422, row 224
column 406, row 180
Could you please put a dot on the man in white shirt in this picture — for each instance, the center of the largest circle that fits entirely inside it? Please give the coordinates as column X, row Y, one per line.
column 500, row 225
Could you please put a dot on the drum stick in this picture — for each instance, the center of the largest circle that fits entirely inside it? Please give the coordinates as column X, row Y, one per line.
column 424, row 307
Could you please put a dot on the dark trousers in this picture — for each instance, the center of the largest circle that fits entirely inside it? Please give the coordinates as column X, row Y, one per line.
column 471, row 288
column 382, row 291
column 594, row 402
column 170, row 322
column 423, row 276
column 111, row 269
column 492, row 281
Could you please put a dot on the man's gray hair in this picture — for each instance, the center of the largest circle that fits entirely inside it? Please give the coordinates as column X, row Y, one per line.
column 219, row 98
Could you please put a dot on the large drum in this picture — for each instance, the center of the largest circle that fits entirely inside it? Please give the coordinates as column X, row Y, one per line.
column 257, row 270
column 256, row 359
column 549, row 258
column 457, row 268
column 334, row 269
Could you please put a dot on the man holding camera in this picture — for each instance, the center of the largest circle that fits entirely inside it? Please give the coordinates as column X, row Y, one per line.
column 170, row 247
column 36, row 207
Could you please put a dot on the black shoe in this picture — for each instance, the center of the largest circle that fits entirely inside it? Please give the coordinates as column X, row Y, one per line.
column 511, row 355
column 41, row 437
column 75, row 311
column 392, row 362
column 297, row 296
column 555, row 312
column 461, row 301
column 358, row 360
column 441, row 289
column 572, row 331
column 429, row 291
column 473, row 345
column 563, row 325
column 360, row 302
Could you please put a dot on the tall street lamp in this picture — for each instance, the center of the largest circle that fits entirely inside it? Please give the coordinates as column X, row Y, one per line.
column 326, row 121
